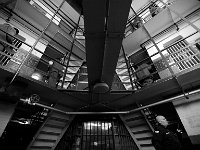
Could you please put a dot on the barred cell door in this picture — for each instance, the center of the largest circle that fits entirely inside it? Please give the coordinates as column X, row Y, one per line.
column 97, row 132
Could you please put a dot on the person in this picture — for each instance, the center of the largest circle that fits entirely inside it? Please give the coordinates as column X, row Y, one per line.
column 6, row 34
column 163, row 138
column 137, row 23
column 154, row 9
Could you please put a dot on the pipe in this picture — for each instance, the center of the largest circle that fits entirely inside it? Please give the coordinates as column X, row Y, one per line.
column 114, row 112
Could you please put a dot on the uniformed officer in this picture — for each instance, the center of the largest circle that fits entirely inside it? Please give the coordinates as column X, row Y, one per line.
column 163, row 138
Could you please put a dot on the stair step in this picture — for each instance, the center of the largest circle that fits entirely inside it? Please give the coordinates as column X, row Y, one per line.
column 148, row 148
column 59, row 115
column 141, row 131
column 58, row 119
column 147, row 134
column 49, row 133
column 41, row 147
column 134, row 118
column 146, row 145
column 131, row 115
column 144, row 138
column 136, row 125
column 54, row 126
column 45, row 140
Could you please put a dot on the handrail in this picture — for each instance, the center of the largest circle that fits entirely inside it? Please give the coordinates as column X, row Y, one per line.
column 44, row 34
column 116, row 112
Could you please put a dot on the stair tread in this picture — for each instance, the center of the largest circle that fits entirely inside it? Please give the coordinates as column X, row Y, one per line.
column 146, row 145
column 41, row 147
column 45, row 140
column 136, row 125
column 141, row 131
column 54, row 126
column 58, row 119
column 144, row 138
column 50, row 133
column 134, row 118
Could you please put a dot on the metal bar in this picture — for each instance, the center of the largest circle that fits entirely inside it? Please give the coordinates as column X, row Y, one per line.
column 45, row 35
column 163, row 57
column 82, row 136
column 32, row 48
column 130, row 132
column 127, row 67
column 97, row 134
column 101, row 135
column 86, row 137
column 63, row 81
column 186, row 20
column 105, row 133
column 113, row 133
column 61, row 15
column 117, row 112
column 90, row 135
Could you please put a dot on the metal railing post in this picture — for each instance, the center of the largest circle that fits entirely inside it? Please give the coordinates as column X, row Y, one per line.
column 128, row 68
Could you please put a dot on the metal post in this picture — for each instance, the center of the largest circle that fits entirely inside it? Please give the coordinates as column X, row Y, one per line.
column 128, row 67
column 186, row 20
column 32, row 48
column 64, row 75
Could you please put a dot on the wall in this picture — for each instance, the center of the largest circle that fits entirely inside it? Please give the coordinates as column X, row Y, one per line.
column 6, row 111
column 189, row 113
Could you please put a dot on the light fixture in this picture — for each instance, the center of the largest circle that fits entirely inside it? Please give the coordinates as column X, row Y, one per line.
column 36, row 76
column 50, row 62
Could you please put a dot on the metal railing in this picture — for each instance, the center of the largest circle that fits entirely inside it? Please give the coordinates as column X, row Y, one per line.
column 146, row 13
column 182, row 56
column 53, row 72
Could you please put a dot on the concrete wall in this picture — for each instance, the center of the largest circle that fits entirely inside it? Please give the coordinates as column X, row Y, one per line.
column 189, row 113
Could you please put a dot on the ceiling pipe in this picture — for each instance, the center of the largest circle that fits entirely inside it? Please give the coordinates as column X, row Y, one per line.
column 112, row 112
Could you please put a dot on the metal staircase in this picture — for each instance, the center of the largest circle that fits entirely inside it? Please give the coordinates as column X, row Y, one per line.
column 126, row 74
column 140, row 128
column 52, row 130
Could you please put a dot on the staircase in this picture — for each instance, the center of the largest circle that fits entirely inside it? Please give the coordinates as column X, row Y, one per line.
column 140, row 128
column 51, row 131
column 122, row 72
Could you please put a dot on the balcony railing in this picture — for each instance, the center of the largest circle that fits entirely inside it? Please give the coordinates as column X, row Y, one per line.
column 52, row 71
column 145, row 14
column 178, row 58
